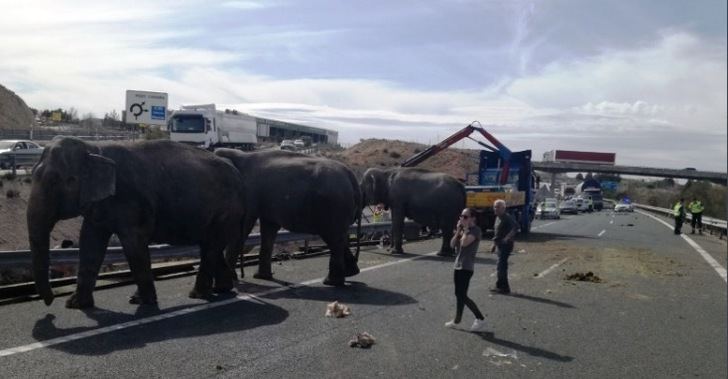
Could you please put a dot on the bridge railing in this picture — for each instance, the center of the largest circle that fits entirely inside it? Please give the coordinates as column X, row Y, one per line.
column 713, row 225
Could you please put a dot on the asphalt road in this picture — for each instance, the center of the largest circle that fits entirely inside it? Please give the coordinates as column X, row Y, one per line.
column 660, row 311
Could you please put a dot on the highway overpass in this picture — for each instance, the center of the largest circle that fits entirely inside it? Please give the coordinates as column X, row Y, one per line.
column 560, row 167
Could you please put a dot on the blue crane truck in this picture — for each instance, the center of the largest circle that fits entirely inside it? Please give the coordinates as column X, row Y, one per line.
column 502, row 174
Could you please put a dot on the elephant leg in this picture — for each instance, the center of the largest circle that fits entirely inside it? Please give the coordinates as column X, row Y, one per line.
column 136, row 250
column 268, row 232
column 338, row 265
column 445, row 249
column 224, row 279
column 93, row 242
column 236, row 250
column 213, row 269
column 397, row 229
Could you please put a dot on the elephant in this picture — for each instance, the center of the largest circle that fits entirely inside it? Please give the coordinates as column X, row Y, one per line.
column 429, row 198
column 302, row 194
column 146, row 192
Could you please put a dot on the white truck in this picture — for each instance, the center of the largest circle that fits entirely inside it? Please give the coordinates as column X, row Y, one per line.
column 205, row 127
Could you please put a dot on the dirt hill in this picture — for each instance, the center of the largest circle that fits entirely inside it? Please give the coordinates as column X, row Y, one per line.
column 390, row 153
column 14, row 113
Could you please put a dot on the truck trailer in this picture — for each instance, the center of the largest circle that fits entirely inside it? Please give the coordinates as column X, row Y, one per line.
column 208, row 128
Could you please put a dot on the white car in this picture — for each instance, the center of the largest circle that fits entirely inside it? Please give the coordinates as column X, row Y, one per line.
column 25, row 153
column 287, row 144
column 299, row 143
column 548, row 209
column 623, row 207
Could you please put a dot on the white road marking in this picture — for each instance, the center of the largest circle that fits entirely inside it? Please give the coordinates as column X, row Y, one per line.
column 708, row 258
column 541, row 226
column 181, row 312
column 548, row 270
column 601, row 233
column 611, row 221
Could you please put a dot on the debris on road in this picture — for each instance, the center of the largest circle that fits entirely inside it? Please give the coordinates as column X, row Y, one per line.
column 581, row 277
column 282, row 255
column 337, row 310
column 363, row 340
column 498, row 358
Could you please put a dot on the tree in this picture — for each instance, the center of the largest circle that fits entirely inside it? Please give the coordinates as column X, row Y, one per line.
column 72, row 115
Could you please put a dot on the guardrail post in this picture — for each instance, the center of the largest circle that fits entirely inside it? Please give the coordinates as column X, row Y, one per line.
column 12, row 162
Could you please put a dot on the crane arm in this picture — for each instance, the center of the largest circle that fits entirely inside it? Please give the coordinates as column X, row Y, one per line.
column 502, row 150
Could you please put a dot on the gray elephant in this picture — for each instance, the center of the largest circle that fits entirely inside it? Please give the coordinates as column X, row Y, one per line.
column 153, row 191
column 302, row 194
column 429, row 198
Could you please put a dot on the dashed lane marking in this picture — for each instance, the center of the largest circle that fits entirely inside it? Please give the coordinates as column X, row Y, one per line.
column 181, row 312
column 708, row 258
column 601, row 233
column 548, row 270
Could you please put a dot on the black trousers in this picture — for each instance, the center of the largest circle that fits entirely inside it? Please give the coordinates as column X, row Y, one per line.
column 462, row 282
column 678, row 224
column 697, row 219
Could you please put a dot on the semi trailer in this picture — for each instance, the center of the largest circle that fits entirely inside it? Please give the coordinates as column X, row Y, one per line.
column 206, row 127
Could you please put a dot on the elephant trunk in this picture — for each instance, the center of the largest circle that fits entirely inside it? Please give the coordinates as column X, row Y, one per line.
column 40, row 224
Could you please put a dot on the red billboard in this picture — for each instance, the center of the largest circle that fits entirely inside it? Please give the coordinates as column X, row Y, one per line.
column 580, row 157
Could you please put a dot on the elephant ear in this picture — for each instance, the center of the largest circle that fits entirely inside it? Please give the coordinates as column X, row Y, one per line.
column 98, row 181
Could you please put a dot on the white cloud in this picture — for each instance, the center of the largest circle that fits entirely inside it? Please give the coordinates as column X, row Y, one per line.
column 246, row 5
column 674, row 89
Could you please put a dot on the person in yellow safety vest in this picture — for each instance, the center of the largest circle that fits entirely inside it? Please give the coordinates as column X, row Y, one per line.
column 696, row 212
column 678, row 211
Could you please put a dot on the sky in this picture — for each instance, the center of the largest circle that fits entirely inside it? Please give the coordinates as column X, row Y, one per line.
column 644, row 79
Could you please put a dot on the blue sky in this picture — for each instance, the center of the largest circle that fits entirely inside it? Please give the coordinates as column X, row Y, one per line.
column 644, row 79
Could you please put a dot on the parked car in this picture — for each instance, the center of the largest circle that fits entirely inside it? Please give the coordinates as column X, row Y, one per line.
column 623, row 207
column 584, row 204
column 299, row 144
column 288, row 144
column 548, row 209
column 26, row 153
column 568, row 206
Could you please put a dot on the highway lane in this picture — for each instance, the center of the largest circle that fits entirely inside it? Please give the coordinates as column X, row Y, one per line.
column 660, row 312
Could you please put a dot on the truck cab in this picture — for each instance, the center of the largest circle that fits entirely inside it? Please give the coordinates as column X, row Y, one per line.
column 194, row 125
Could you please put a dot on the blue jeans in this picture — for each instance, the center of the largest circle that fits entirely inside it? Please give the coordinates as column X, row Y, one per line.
column 504, row 251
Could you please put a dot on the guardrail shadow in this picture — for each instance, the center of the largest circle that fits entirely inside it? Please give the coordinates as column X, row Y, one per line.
column 353, row 293
column 545, row 237
column 436, row 258
column 235, row 317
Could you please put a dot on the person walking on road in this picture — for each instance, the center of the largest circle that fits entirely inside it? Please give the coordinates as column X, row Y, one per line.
column 506, row 228
column 465, row 242
column 678, row 211
column 696, row 215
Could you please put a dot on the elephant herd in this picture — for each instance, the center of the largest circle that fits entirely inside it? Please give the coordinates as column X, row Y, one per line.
column 167, row 192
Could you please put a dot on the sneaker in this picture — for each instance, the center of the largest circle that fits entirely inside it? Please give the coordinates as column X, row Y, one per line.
column 478, row 326
column 451, row 325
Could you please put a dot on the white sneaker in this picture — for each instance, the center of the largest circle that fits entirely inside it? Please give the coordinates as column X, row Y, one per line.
column 451, row 325
column 478, row 326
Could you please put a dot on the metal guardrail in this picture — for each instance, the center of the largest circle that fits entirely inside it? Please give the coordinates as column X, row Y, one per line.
column 712, row 224
column 115, row 254
column 11, row 161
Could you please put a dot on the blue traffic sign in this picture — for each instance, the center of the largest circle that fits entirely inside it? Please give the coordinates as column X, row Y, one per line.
column 158, row 112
